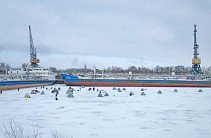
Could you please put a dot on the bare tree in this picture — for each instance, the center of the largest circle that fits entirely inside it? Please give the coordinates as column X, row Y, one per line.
column 15, row 130
column 55, row 134
column 53, row 69
column 25, row 65
column 7, row 66
column 157, row 69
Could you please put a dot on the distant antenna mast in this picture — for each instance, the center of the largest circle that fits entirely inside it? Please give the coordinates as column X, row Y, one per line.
column 33, row 52
column 196, row 69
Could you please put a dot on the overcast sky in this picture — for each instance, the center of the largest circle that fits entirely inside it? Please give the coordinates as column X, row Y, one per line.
column 71, row 33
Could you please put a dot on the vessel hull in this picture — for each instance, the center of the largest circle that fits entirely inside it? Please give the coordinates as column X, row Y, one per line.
column 9, row 85
column 127, row 84
column 71, row 80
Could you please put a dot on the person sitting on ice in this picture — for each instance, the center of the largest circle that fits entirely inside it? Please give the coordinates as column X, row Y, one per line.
column 42, row 93
column 27, row 95
column 119, row 90
column 55, row 90
column 131, row 93
column 175, row 90
column 143, row 94
column 0, row 92
column 69, row 91
column 70, row 95
column 106, row 94
column 100, row 95
column 159, row 92
column 200, row 90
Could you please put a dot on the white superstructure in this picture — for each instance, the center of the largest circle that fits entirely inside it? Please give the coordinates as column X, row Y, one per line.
column 40, row 74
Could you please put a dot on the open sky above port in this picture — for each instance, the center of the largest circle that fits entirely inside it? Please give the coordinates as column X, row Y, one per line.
column 104, row 33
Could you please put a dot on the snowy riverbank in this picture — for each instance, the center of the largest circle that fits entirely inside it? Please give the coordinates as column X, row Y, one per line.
column 185, row 113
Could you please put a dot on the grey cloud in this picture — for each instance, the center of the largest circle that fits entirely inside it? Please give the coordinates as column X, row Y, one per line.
column 153, row 31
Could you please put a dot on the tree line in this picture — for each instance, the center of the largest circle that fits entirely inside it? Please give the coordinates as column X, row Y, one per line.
column 157, row 70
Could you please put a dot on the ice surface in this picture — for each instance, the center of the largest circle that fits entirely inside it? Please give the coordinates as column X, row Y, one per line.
column 183, row 114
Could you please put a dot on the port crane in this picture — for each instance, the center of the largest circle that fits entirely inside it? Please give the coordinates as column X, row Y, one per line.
column 196, row 61
column 33, row 52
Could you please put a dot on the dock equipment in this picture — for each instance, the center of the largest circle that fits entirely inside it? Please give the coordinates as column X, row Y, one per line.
column 196, row 61
column 33, row 52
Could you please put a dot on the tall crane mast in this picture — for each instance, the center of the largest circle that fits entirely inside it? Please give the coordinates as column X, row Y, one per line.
column 33, row 52
column 196, row 61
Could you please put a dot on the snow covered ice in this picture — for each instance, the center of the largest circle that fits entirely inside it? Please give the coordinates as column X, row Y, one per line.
column 183, row 114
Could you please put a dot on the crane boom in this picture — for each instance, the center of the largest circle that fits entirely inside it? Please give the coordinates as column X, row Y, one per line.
column 196, row 61
column 33, row 52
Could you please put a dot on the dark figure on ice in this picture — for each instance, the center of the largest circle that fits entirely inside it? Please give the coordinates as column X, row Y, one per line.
column 56, row 96
column 89, row 89
column 143, row 94
column 131, row 93
column 100, row 95
column 114, row 88
column 93, row 88
column 106, row 94
column 27, row 95
column 159, row 92
column 200, row 90
column 0, row 92
column 18, row 89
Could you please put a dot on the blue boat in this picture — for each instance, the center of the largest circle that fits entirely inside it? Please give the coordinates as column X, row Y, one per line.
column 81, row 80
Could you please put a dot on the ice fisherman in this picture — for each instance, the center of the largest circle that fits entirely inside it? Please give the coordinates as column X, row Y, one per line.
column 100, row 95
column 131, row 93
column 56, row 95
column 27, row 95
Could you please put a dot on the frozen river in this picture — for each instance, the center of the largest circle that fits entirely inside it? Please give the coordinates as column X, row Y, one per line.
column 186, row 113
